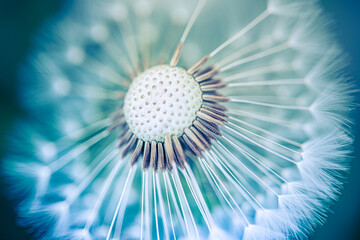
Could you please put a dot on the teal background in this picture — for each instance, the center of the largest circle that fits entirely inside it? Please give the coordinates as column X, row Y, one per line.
column 19, row 21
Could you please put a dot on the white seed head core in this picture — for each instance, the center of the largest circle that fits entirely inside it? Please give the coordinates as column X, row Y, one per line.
column 162, row 100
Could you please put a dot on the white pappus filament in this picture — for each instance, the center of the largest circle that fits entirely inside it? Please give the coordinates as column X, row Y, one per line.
column 181, row 119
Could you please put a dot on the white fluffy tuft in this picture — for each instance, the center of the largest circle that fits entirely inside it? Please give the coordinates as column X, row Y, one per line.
column 254, row 232
column 325, row 164
column 278, row 221
column 290, row 8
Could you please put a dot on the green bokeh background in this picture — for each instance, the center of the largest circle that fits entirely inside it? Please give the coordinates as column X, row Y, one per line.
column 19, row 20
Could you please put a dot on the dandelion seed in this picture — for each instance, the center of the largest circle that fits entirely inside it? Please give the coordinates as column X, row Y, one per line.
column 236, row 112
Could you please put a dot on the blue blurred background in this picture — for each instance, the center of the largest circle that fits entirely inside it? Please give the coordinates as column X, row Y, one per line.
column 20, row 19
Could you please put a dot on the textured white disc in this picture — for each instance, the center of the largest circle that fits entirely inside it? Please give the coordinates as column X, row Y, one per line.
column 162, row 100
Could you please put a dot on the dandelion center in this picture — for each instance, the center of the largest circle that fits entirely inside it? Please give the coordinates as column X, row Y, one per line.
column 162, row 100
column 170, row 112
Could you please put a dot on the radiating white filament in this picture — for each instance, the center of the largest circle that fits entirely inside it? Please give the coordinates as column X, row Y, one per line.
column 128, row 178
column 248, row 27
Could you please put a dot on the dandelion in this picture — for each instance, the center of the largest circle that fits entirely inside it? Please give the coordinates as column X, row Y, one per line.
column 154, row 119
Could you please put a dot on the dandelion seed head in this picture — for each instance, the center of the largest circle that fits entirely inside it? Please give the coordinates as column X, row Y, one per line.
column 162, row 100
column 242, row 105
